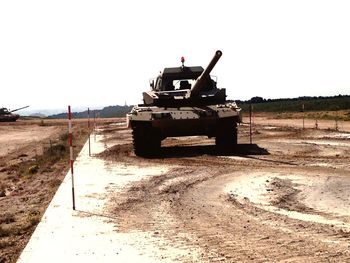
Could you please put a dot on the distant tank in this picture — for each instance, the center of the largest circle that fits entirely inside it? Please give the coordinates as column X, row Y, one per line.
column 184, row 101
column 7, row 115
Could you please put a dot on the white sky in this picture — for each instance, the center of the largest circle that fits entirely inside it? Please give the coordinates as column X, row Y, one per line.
column 100, row 53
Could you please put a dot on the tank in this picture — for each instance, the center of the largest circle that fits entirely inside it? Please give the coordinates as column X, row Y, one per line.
column 8, row 115
column 184, row 101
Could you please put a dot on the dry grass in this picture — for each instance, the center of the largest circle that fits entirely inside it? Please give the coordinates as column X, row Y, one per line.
column 29, row 184
column 343, row 115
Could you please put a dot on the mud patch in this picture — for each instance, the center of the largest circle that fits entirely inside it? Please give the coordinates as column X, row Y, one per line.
column 117, row 152
column 284, row 194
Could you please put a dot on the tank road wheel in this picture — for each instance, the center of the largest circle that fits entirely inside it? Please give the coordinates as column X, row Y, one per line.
column 226, row 134
column 146, row 140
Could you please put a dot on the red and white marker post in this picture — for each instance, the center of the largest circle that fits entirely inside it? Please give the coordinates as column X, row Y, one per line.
column 303, row 109
column 89, row 131
column 250, row 122
column 94, row 129
column 71, row 159
column 94, row 120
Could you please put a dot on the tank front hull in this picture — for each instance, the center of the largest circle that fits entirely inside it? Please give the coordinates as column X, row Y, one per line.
column 184, row 121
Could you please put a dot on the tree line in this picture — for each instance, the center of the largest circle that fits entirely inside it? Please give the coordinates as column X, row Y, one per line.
column 333, row 103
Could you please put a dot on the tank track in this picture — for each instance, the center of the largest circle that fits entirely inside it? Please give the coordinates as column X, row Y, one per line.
column 146, row 140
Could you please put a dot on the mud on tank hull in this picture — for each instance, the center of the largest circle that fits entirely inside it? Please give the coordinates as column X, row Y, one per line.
column 150, row 125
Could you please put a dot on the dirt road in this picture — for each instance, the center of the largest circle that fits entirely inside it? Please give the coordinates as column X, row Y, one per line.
column 283, row 199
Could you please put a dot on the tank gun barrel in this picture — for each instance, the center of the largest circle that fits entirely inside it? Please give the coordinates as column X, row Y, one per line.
column 198, row 85
column 19, row 109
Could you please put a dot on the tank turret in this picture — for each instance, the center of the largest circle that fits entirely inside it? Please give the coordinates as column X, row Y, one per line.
column 185, row 86
column 7, row 115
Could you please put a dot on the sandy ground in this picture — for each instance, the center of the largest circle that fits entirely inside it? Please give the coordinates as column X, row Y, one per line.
column 14, row 138
column 284, row 198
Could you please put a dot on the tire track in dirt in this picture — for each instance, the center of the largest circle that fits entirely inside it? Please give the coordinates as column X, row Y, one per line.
column 187, row 208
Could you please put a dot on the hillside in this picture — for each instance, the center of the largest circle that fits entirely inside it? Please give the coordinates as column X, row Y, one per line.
column 106, row 112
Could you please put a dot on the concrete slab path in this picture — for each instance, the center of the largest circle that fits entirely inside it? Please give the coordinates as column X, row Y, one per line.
column 87, row 234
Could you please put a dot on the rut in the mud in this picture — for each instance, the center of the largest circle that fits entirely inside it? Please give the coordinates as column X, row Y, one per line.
column 187, row 209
